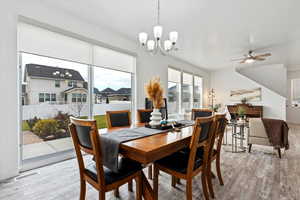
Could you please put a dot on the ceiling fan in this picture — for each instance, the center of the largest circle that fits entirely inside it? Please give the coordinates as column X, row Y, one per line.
column 251, row 57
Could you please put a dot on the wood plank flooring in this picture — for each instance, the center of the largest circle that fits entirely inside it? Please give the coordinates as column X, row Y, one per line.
column 260, row 175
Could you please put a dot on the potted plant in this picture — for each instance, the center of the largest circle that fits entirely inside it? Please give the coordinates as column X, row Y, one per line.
column 154, row 92
column 244, row 100
column 241, row 113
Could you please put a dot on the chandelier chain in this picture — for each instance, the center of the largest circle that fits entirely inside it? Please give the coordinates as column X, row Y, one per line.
column 158, row 11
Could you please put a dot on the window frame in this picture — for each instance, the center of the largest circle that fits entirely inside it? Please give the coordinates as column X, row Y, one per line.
column 57, row 83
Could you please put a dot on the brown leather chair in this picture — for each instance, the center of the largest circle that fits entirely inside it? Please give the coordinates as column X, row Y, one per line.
column 201, row 112
column 118, row 118
column 86, row 138
column 143, row 115
column 187, row 164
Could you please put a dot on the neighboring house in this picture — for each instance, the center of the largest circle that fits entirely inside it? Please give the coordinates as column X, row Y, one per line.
column 122, row 94
column 53, row 85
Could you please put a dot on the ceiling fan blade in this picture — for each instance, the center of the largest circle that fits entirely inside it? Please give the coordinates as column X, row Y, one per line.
column 236, row 59
column 259, row 58
column 264, row 55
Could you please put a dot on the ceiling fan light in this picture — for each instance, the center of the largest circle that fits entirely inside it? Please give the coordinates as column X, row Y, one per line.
column 250, row 60
column 157, row 31
column 143, row 38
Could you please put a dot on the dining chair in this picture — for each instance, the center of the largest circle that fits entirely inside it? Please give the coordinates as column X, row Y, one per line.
column 201, row 112
column 118, row 118
column 221, row 122
column 86, row 138
column 114, row 119
column 183, row 165
column 143, row 115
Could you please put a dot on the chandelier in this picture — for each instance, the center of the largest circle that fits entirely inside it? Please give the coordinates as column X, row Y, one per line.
column 155, row 45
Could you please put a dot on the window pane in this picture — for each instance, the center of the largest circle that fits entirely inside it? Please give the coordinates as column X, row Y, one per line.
column 174, row 75
column 197, row 92
column 295, row 85
column 112, row 92
column 187, row 92
column 45, row 125
column 173, row 97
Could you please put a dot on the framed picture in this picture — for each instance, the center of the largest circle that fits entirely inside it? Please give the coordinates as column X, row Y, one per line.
column 249, row 94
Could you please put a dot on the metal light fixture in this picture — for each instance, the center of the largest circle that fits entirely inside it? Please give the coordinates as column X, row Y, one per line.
column 155, row 45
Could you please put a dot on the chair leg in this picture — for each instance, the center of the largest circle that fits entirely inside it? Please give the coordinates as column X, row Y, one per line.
column 250, row 146
column 82, row 189
column 178, row 181
column 189, row 190
column 139, row 188
column 150, row 169
column 174, row 180
column 130, row 186
column 117, row 193
column 155, row 182
column 209, row 182
column 279, row 153
column 218, row 168
column 101, row 195
column 204, row 186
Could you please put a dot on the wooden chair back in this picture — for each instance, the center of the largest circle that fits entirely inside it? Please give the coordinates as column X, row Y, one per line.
column 201, row 112
column 221, row 123
column 143, row 115
column 203, row 136
column 86, row 138
column 118, row 118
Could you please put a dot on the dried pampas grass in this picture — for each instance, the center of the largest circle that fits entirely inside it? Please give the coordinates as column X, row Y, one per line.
column 154, row 92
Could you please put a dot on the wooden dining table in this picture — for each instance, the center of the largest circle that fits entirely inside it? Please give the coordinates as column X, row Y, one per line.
column 149, row 149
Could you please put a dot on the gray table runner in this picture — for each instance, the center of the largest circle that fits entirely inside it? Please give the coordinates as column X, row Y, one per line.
column 110, row 142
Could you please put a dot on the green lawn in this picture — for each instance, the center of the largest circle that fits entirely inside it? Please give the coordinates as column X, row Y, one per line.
column 101, row 122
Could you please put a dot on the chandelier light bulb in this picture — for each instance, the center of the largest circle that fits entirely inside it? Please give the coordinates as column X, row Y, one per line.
column 168, row 45
column 157, row 31
column 173, row 36
column 143, row 38
column 150, row 45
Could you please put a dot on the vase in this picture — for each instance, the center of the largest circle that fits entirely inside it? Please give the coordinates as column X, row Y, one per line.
column 155, row 117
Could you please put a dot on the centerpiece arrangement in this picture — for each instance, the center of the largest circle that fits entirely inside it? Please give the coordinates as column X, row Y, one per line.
column 154, row 92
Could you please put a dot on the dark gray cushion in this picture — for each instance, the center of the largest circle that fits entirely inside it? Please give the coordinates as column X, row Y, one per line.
column 83, row 133
column 205, row 129
column 119, row 119
column 127, row 167
column 145, row 116
column 201, row 114
column 179, row 162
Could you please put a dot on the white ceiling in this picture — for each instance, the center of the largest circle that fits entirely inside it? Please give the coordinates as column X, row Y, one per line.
column 211, row 31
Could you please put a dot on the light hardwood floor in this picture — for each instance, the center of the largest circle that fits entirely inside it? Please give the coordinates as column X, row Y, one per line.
column 259, row 175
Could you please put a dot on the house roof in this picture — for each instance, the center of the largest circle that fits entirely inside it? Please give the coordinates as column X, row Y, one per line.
column 124, row 91
column 74, row 88
column 44, row 71
column 108, row 90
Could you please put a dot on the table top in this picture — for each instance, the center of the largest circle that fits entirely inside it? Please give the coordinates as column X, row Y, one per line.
column 149, row 149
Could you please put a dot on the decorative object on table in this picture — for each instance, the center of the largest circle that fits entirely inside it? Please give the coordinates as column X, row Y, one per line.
column 163, row 109
column 212, row 97
column 154, row 92
column 251, row 110
column 249, row 94
column 154, row 46
column 244, row 100
column 216, row 107
column 241, row 113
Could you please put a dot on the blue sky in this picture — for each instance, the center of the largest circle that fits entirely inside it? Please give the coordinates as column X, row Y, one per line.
column 103, row 77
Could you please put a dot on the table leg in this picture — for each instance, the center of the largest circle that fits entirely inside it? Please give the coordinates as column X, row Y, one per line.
column 148, row 192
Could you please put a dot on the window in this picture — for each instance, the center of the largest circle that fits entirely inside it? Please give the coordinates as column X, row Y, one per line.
column 78, row 97
column 187, row 91
column 53, row 97
column 295, row 90
column 84, row 98
column 74, row 98
column 197, row 92
column 41, row 97
column 72, row 83
column 57, row 83
column 174, row 77
column 184, row 91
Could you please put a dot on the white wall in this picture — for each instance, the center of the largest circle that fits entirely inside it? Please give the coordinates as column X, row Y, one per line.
column 293, row 113
column 147, row 66
column 272, row 76
column 225, row 80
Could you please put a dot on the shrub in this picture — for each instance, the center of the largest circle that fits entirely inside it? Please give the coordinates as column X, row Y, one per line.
column 46, row 127
column 63, row 120
column 32, row 122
